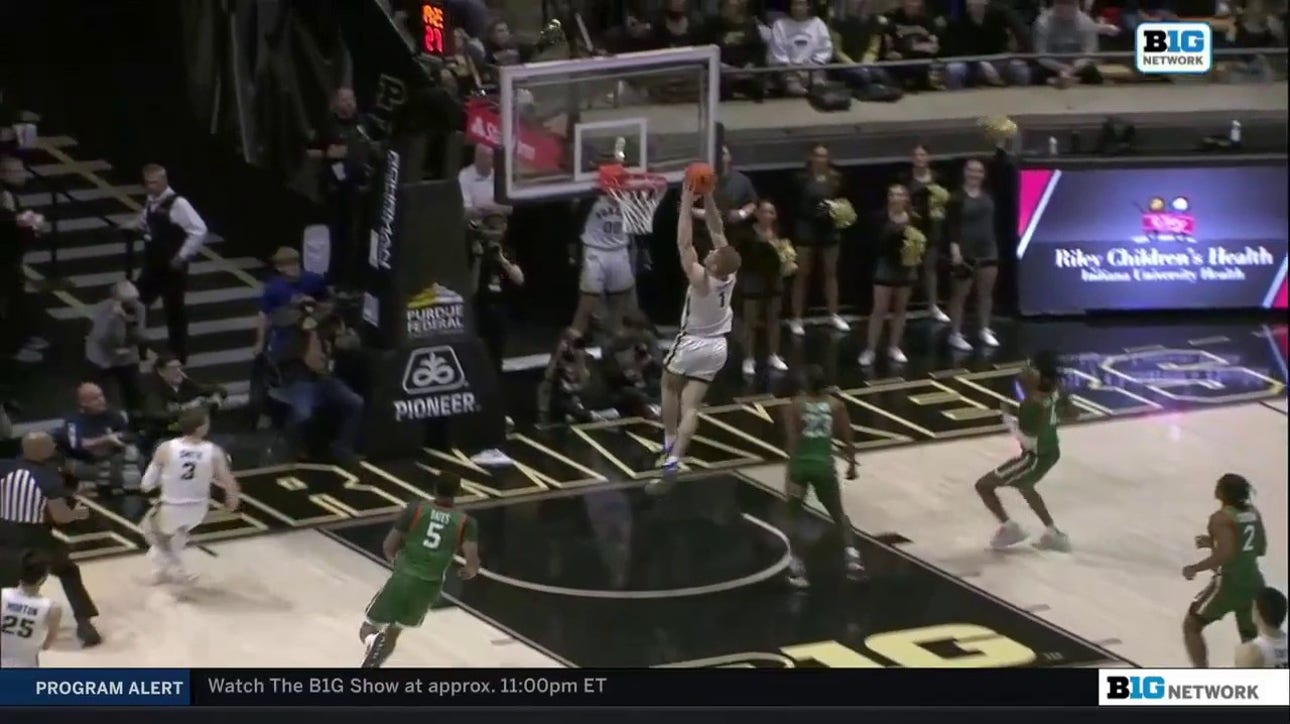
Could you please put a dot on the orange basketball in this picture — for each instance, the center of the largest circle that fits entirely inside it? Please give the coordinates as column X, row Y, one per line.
column 701, row 178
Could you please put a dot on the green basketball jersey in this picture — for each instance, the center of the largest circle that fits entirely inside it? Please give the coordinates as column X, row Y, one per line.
column 1243, row 570
column 1038, row 421
column 432, row 535
column 816, row 441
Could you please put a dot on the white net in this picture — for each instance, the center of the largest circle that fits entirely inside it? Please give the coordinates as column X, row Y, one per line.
column 638, row 197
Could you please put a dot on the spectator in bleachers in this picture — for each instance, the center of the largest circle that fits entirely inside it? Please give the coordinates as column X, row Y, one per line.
column 97, row 443
column 18, row 229
column 1065, row 28
column 291, row 286
column 478, row 184
column 983, row 29
column 168, row 392
column 915, row 34
column 800, row 38
column 678, row 26
column 742, row 46
column 862, row 38
column 117, row 329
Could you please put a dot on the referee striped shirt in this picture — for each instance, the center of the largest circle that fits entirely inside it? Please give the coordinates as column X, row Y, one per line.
column 21, row 499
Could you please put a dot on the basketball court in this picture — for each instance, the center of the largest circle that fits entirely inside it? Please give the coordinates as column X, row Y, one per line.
column 583, row 569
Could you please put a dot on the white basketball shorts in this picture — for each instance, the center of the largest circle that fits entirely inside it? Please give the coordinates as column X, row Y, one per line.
column 698, row 358
column 170, row 519
column 607, row 272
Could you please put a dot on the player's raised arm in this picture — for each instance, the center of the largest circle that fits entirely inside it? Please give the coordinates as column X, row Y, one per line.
column 842, row 430
column 152, row 476
column 224, row 479
column 712, row 217
column 690, row 263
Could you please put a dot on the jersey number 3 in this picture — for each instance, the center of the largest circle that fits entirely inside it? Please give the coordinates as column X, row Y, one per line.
column 434, row 536
column 23, row 628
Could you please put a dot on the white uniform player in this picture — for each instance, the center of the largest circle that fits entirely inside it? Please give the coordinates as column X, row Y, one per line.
column 184, row 469
column 699, row 351
column 1268, row 649
column 608, row 270
column 28, row 620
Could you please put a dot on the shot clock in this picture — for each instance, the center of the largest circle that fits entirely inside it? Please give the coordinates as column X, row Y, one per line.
column 436, row 31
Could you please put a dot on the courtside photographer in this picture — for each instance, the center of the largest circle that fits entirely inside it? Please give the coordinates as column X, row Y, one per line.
column 493, row 276
column 631, row 368
column 564, row 385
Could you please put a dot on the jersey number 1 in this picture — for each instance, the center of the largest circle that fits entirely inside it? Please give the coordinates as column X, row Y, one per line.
column 433, row 537
column 721, row 300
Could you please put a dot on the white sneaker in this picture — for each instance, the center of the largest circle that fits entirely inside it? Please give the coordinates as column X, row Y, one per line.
column 39, row 344
column 492, row 458
column 795, row 327
column 1054, row 540
column 866, row 358
column 853, row 559
column 988, row 339
column 957, row 341
column 777, row 363
column 895, row 355
column 797, row 574
column 839, row 323
column 1008, row 534
column 750, row 367
column 937, row 315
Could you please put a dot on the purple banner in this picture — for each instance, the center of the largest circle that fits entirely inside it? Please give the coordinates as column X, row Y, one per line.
column 1152, row 239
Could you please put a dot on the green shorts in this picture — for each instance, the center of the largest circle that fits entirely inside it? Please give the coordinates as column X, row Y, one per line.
column 1220, row 597
column 1025, row 470
column 403, row 600
column 819, row 475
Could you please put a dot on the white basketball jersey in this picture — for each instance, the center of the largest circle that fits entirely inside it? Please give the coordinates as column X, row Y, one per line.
column 1273, row 651
column 709, row 315
column 189, row 472
column 603, row 229
column 24, row 626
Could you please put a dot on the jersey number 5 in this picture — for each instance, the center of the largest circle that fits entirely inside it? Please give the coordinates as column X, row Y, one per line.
column 434, row 536
column 20, row 627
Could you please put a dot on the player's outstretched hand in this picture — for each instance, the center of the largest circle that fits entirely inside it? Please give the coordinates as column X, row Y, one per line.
column 1189, row 572
column 1204, row 541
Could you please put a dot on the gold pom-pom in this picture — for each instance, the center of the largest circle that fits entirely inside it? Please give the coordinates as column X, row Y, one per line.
column 842, row 213
column 913, row 247
column 787, row 256
column 998, row 128
column 937, row 198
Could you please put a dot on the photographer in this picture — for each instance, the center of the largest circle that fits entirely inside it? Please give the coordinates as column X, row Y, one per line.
column 492, row 274
column 112, row 346
column 560, row 394
column 631, row 368
column 307, row 335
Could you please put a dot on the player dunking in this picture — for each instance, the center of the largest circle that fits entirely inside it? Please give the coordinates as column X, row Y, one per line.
column 30, row 619
column 1035, row 427
column 1269, row 650
column 421, row 545
column 813, row 420
column 184, row 469
column 699, row 351
column 1236, row 539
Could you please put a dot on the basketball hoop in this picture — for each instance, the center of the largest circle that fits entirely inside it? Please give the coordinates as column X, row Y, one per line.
column 637, row 194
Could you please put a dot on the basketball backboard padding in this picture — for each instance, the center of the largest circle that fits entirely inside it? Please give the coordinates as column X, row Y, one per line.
column 666, row 115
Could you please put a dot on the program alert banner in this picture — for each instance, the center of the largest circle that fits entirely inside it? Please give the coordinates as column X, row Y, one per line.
column 1152, row 238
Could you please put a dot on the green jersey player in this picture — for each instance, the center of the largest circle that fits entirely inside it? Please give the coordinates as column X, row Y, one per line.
column 1042, row 406
column 1236, row 539
column 421, row 545
column 813, row 420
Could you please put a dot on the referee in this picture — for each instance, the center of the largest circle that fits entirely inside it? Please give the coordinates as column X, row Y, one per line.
column 32, row 494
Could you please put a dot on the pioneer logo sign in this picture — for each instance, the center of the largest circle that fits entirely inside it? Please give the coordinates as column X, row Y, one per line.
column 435, row 310
column 435, row 385
column 381, row 248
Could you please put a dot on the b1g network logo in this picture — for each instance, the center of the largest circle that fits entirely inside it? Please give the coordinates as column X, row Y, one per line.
column 1193, row 687
column 1174, row 48
column 1170, row 219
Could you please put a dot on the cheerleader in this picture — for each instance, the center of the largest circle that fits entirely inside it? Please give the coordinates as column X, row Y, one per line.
column 974, row 255
column 900, row 248
column 767, row 259
column 928, row 198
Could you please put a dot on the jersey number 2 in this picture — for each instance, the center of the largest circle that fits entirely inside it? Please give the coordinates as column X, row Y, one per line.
column 188, row 471
column 1247, row 532
column 434, row 536
column 20, row 627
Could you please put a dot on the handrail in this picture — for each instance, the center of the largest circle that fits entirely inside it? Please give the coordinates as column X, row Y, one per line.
column 56, row 190
column 906, row 62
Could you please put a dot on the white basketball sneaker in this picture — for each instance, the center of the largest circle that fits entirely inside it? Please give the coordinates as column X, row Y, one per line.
column 895, row 355
column 988, row 339
column 956, row 341
column 750, row 367
column 937, row 315
column 866, row 358
column 795, row 327
column 777, row 363
column 1054, row 540
column 839, row 323
column 1008, row 534
column 797, row 573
